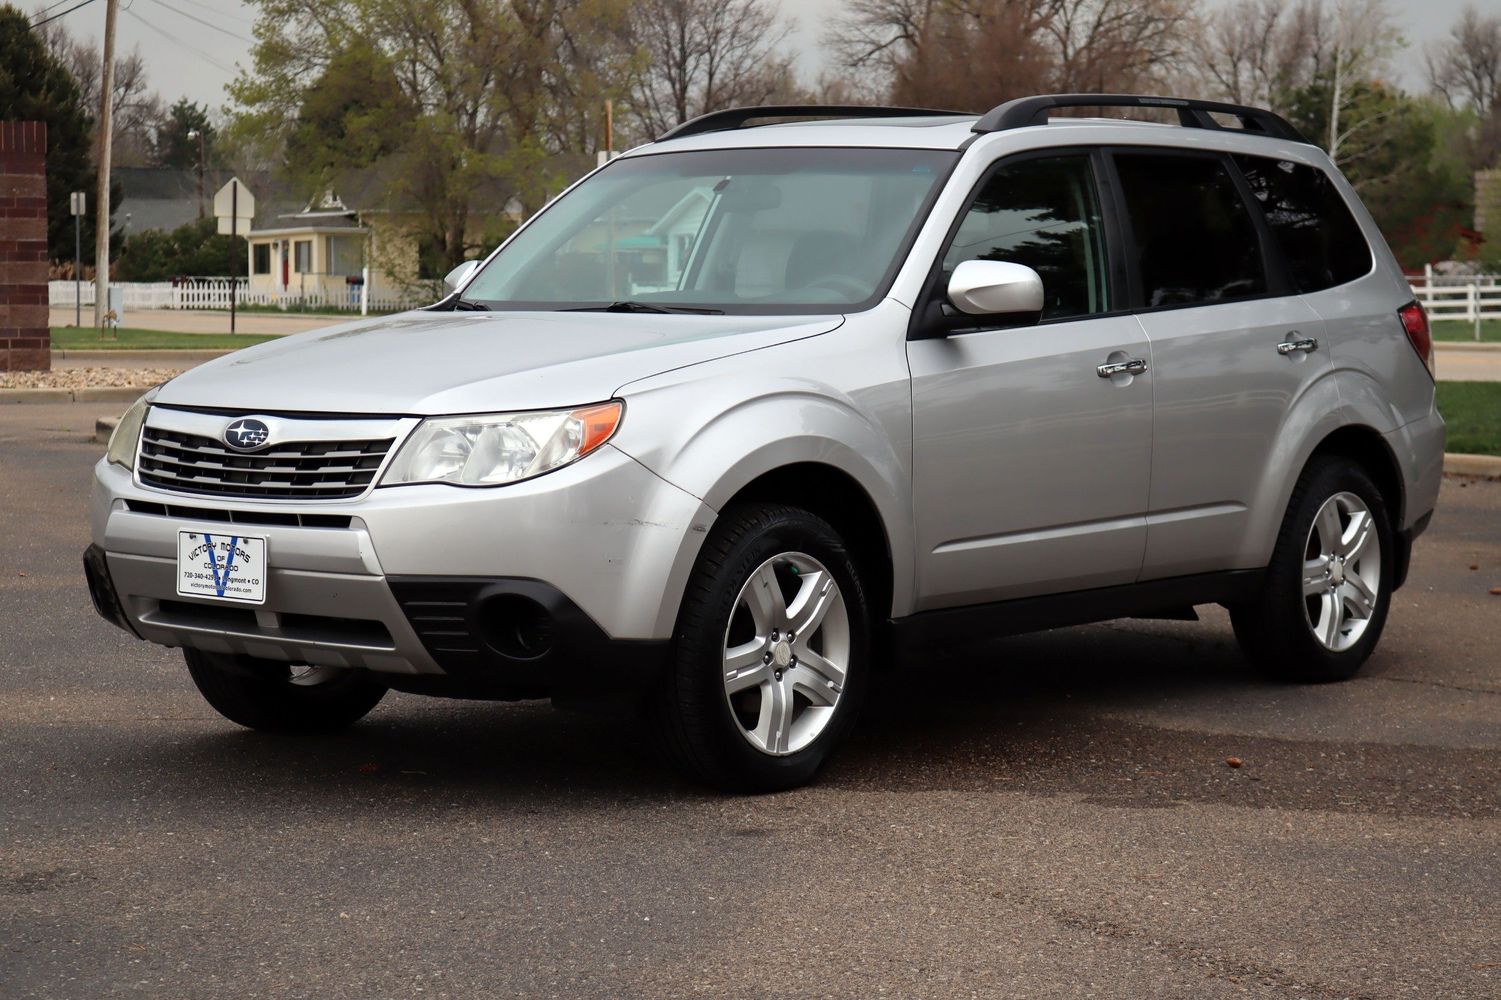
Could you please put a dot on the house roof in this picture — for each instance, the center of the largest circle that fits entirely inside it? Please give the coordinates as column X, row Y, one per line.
column 165, row 198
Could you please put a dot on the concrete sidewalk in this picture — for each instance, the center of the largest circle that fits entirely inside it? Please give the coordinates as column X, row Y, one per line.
column 205, row 321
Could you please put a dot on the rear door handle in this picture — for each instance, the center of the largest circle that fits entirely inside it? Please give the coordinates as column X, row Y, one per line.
column 1307, row 345
column 1134, row 366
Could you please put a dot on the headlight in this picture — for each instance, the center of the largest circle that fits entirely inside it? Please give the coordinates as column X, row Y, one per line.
column 498, row 448
column 122, row 443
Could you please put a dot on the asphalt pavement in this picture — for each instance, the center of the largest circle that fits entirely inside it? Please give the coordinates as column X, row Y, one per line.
column 1049, row 816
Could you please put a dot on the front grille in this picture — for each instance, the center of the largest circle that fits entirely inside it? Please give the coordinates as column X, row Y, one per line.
column 300, row 519
column 292, row 470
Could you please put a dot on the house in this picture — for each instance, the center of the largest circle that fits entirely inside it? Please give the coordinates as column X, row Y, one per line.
column 164, row 198
column 319, row 256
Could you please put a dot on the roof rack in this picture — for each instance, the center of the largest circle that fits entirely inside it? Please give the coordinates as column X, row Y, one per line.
column 733, row 118
column 1026, row 111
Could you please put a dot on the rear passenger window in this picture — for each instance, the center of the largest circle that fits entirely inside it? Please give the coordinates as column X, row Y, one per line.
column 1042, row 213
column 1313, row 227
column 1195, row 238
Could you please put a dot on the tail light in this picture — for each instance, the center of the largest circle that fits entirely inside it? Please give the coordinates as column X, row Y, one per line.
column 1415, row 322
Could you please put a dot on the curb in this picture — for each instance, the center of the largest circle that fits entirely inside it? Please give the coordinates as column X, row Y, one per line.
column 91, row 394
column 166, row 357
column 1482, row 466
column 1466, row 345
column 103, row 428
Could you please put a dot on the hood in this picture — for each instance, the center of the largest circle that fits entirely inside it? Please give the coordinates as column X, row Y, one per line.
column 425, row 363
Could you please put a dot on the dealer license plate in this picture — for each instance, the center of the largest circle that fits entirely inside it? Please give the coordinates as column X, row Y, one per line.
column 223, row 567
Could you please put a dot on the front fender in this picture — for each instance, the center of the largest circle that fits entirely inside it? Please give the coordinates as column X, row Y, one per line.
column 713, row 438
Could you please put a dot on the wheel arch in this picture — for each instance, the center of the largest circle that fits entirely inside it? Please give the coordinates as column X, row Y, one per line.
column 838, row 498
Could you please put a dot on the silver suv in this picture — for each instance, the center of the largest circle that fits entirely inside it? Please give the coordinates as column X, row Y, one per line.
column 752, row 411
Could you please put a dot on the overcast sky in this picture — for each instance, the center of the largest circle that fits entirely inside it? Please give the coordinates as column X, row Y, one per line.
column 191, row 47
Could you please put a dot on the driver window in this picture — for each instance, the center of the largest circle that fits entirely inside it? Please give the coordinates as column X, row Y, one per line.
column 1043, row 213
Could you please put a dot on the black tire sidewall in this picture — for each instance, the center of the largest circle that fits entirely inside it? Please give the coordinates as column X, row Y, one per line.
column 1280, row 633
column 252, row 693
column 755, row 534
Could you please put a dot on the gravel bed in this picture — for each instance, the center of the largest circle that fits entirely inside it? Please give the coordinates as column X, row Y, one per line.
column 87, row 378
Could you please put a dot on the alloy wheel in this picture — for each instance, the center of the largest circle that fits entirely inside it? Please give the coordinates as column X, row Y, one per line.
column 1341, row 572
column 786, row 653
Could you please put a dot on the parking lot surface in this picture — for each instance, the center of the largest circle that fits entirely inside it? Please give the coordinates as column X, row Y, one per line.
column 1048, row 816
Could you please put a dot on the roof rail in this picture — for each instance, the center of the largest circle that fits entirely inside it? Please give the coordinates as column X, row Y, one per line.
column 1026, row 111
column 733, row 118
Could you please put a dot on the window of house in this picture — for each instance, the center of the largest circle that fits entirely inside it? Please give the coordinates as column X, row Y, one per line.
column 1311, row 223
column 1195, row 239
column 302, row 256
column 1043, row 213
column 260, row 258
column 345, row 255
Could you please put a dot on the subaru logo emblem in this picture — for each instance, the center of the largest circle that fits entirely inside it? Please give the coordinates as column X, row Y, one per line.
column 246, row 434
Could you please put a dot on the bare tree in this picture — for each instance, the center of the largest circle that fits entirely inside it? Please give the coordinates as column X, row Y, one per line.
column 1254, row 51
column 1466, row 67
column 700, row 55
column 1116, row 45
column 978, row 52
column 137, row 109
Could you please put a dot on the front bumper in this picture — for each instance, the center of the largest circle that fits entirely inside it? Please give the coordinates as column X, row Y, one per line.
column 430, row 581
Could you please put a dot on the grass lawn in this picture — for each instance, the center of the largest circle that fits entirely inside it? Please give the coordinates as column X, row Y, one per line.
column 1455, row 329
column 87, row 339
column 1473, row 412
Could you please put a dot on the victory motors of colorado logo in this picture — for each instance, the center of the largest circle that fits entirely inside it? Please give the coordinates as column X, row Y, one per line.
column 246, row 434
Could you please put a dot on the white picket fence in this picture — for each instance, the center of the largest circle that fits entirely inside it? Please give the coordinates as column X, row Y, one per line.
column 1468, row 298
column 213, row 293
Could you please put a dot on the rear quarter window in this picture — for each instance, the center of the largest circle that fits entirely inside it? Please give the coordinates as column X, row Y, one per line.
column 1312, row 226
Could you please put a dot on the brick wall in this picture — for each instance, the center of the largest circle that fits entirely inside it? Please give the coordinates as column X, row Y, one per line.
column 25, row 342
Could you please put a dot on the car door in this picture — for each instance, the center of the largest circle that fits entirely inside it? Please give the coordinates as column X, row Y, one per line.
column 1233, row 347
column 1030, row 467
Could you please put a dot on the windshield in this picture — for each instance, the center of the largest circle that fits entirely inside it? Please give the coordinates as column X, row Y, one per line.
column 737, row 231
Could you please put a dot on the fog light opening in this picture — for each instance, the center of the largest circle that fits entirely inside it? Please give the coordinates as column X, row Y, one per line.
column 516, row 626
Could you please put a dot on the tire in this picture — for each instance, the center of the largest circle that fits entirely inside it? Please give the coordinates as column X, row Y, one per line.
column 1321, row 625
column 790, row 701
column 266, row 695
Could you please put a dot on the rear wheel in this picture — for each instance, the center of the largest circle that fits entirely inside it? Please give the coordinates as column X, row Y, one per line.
column 276, row 697
column 771, row 652
column 1328, row 585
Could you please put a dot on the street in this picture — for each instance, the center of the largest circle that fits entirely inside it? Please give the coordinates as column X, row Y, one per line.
column 1051, row 815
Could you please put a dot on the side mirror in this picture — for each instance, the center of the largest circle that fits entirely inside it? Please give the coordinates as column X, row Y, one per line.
column 453, row 279
column 994, row 287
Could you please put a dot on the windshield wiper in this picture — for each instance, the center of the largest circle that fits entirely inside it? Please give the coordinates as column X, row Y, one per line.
column 469, row 305
column 644, row 307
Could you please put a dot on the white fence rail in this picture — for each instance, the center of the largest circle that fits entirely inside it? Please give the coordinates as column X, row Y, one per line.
column 1470, row 298
column 213, row 293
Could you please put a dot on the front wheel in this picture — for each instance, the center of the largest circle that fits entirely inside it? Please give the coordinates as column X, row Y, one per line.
column 771, row 652
column 276, row 697
column 1328, row 585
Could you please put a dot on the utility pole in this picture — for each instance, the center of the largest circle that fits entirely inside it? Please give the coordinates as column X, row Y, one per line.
column 198, row 134
column 101, row 202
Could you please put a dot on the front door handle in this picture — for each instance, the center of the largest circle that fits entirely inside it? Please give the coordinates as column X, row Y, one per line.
column 1133, row 366
column 1307, row 345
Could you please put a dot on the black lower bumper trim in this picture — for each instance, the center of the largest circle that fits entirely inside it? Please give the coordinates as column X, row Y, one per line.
column 512, row 637
column 102, row 589
column 1402, row 560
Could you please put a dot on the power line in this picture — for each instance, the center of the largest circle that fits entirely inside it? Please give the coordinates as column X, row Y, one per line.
column 54, row 17
column 206, row 24
column 217, row 13
column 50, row 6
column 178, row 41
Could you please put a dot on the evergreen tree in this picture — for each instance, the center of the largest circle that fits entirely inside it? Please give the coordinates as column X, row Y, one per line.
column 34, row 86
